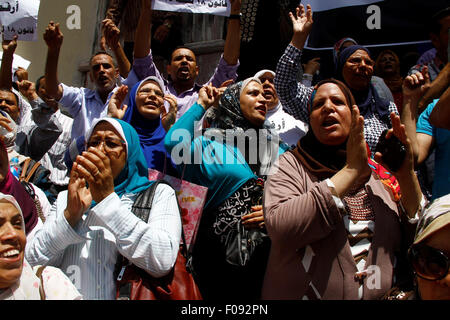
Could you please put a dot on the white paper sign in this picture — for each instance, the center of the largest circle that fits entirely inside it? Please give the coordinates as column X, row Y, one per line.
column 323, row 5
column 217, row 7
column 18, row 61
column 19, row 17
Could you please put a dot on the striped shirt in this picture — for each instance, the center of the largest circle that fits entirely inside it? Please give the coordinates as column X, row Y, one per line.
column 88, row 252
column 294, row 96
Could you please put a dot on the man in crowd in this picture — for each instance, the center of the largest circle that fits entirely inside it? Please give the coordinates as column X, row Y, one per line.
column 289, row 128
column 83, row 104
column 183, row 69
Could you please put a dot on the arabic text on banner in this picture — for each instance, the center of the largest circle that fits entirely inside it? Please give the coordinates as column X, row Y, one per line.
column 215, row 7
column 19, row 17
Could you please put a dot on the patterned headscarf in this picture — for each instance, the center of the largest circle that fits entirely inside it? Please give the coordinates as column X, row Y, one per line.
column 228, row 116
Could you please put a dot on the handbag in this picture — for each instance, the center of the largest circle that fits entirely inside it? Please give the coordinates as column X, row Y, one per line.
column 191, row 198
column 134, row 283
column 241, row 242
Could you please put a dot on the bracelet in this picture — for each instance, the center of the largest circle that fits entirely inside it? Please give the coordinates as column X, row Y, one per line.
column 235, row 16
column 307, row 76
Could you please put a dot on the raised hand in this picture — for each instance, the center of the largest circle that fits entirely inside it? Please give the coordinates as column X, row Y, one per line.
column 111, row 33
column 398, row 130
column 312, row 66
column 9, row 46
column 116, row 108
column 416, row 85
column 357, row 159
column 27, row 89
column 79, row 198
column 303, row 21
column 94, row 166
column 169, row 118
column 53, row 36
column 208, row 96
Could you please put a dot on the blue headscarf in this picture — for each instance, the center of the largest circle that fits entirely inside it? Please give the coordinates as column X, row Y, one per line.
column 151, row 132
column 134, row 176
column 370, row 101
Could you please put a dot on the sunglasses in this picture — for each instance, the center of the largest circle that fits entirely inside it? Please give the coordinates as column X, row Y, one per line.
column 428, row 263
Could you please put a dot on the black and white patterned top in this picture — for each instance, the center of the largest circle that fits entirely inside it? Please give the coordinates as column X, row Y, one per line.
column 294, row 96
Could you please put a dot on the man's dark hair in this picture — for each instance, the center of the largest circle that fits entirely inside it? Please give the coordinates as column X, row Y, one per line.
column 38, row 83
column 105, row 53
column 15, row 95
column 181, row 47
column 434, row 25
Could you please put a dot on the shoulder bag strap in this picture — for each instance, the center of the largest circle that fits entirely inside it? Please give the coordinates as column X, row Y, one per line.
column 41, row 287
column 23, row 174
column 33, row 169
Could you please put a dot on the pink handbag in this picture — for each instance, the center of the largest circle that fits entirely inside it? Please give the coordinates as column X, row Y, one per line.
column 191, row 198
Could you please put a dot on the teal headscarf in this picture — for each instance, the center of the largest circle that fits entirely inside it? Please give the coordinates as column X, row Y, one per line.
column 134, row 176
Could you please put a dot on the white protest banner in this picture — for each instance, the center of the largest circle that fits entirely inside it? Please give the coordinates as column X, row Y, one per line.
column 18, row 61
column 217, row 7
column 323, row 5
column 19, row 17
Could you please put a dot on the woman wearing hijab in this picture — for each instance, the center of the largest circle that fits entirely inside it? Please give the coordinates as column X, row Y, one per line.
column 147, row 115
column 387, row 66
column 354, row 68
column 232, row 159
column 18, row 281
column 90, row 227
column 336, row 230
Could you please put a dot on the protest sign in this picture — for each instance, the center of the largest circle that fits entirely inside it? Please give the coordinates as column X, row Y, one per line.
column 217, row 7
column 19, row 17
column 373, row 23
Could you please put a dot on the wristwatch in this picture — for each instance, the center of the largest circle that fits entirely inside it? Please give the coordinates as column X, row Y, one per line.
column 234, row 16
column 167, row 24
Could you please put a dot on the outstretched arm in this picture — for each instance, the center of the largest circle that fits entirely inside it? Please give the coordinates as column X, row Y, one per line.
column 7, row 61
column 54, row 39
column 440, row 116
column 294, row 96
column 414, row 86
column 111, row 34
column 233, row 39
column 142, row 41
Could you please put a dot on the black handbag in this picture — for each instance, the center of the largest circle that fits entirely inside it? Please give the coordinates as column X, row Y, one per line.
column 241, row 244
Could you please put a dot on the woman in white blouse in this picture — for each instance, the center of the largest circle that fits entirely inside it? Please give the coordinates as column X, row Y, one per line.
column 91, row 223
column 18, row 281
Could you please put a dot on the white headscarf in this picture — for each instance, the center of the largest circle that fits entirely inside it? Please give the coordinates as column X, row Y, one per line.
column 27, row 286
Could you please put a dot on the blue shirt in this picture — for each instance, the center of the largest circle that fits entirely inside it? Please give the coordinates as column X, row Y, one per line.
column 441, row 183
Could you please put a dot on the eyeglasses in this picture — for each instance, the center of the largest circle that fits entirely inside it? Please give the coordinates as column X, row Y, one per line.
column 428, row 263
column 110, row 145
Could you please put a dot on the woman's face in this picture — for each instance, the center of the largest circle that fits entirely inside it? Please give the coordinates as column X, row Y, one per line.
column 387, row 64
column 149, row 100
column 358, row 70
column 438, row 289
column 331, row 116
column 253, row 103
column 12, row 244
column 106, row 139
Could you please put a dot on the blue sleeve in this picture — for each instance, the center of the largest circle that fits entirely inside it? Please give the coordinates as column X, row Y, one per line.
column 423, row 124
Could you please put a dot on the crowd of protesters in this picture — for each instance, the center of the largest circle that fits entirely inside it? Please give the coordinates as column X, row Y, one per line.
column 342, row 185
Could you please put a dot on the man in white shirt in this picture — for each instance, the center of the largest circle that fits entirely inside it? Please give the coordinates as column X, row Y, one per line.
column 83, row 104
column 289, row 128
